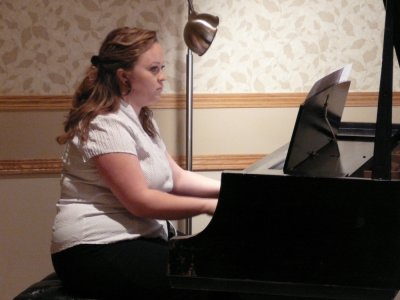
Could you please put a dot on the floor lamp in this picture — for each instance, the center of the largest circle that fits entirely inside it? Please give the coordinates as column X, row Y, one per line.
column 198, row 34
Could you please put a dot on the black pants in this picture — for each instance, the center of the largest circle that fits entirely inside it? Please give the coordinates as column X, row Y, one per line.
column 127, row 269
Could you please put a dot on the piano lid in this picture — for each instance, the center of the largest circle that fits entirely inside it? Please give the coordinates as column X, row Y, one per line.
column 396, row 27
column 381, row 167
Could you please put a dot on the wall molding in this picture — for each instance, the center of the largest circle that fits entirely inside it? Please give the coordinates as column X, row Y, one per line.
column 30, row 166
column 171, row 101
column 177, row 101
column 199, row 163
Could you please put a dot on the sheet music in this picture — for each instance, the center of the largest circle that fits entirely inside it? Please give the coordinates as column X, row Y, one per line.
column 345, row 75
column 318, row 119
column 338, row 76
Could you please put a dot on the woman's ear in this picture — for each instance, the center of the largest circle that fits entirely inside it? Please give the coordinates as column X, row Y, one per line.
column 122, row 76
column 124, row 83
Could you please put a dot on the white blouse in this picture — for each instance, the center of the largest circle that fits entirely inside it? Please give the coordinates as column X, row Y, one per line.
column 87, row 211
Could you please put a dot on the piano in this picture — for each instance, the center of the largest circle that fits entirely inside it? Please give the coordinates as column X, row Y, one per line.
column 315, row 223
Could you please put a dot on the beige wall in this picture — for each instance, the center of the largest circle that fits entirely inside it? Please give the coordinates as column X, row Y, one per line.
column 26, row 209
column 268, row 46
column 261, row 46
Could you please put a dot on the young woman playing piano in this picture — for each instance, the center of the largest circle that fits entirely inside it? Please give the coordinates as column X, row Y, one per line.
column 119, row 185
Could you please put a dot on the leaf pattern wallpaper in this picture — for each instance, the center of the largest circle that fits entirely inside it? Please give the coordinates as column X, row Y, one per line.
column 262, row 46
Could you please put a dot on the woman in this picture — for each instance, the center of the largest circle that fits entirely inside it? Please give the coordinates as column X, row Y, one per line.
column 119, row 185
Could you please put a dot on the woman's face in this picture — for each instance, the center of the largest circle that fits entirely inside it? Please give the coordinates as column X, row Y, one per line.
column 146, row 78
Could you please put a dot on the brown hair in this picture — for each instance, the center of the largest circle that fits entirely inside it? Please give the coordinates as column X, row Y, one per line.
column 100, row 91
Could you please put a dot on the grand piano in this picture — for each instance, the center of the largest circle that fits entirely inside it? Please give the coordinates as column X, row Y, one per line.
column 319, row 218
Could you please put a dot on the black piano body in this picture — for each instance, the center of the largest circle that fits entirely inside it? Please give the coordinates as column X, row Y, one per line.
column 340, row 237
column 307, row 235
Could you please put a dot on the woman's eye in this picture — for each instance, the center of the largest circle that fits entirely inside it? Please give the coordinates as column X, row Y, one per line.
column 157, row 69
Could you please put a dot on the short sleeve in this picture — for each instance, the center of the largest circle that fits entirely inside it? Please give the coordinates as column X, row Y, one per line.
column 108, row 134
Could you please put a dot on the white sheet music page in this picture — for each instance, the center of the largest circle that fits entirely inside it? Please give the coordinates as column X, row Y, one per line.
column 346, row 70
column 338, row 76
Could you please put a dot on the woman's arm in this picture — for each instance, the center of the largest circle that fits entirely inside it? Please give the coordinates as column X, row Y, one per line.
column 192, row 184
column 123, row 174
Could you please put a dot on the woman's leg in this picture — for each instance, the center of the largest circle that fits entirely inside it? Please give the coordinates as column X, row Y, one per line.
column 127, row 268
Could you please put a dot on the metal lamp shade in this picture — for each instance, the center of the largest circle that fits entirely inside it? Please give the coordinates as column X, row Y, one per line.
column 200, row 31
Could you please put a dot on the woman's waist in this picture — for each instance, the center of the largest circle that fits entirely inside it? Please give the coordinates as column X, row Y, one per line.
column 93, row 223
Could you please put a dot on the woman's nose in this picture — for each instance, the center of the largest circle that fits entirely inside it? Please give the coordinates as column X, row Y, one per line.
column 162, row 76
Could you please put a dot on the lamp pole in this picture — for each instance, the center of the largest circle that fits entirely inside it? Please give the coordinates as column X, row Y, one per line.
column 198, row 35
column 189, row 121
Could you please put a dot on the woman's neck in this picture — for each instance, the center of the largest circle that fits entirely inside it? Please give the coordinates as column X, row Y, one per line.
column 130, row 102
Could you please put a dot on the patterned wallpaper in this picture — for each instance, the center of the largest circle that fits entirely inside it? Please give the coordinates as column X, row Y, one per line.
column 261, row 45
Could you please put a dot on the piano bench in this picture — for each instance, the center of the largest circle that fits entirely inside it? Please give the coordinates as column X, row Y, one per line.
column 49, row 288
